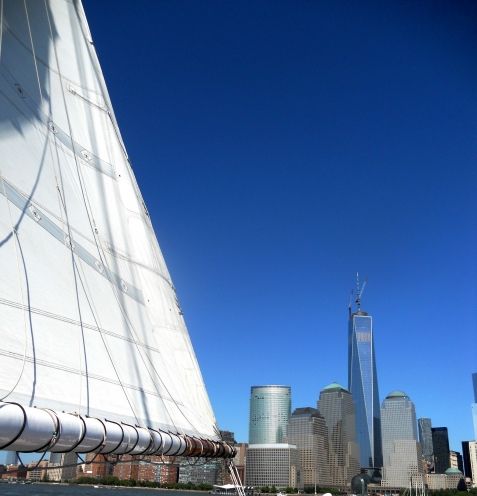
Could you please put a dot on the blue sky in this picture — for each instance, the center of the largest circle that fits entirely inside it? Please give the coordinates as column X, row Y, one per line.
column 281, row 146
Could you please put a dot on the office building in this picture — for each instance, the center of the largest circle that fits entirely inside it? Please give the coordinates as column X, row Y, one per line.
column 273, row 465
column 37, row 471
column 449, row 480
column 455, row 461
column 199, row 473
column 337, row 408
column 240, row 459
column 128, row 469
column 440, row 443
column 66, row 463
column 466, row 459
column 401, row 450
column 307, row 431
column 363, row 385
column 11, row 458
column 473, row 461
column 425, row 438
column 99, row 466
column 270, row 408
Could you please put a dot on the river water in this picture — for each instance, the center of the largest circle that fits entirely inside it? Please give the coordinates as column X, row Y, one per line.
column 74, row 490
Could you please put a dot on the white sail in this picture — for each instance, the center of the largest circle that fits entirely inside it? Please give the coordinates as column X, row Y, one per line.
column 89, row 318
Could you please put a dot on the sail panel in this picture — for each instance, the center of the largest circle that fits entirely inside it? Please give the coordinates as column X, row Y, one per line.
column 90, row 318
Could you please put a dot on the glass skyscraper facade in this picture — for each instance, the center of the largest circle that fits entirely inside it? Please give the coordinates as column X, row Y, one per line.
column 270, row 408
column 425, row 438
column 440, row 443
column 363, row 385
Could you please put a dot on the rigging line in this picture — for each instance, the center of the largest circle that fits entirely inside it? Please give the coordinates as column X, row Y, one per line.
column 126, row 316
column 33, row 51
column 20, row 283
column 98, row 327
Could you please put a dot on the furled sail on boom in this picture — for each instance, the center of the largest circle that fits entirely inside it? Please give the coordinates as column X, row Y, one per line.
column 90, row 324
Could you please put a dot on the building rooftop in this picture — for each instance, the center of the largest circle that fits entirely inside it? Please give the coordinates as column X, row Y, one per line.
column 397, row 394
column 334, row 386
column 453, row 471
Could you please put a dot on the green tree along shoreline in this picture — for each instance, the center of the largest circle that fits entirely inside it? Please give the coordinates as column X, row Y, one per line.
column 114, row 481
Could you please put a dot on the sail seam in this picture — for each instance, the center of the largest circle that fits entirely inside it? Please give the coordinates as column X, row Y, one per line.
column 87, row 157
column 71, row 370
column 40, row 218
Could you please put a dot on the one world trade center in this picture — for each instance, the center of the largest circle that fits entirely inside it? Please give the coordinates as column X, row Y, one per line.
column 363, row 383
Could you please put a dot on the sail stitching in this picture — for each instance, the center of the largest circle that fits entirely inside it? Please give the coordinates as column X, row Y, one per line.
column 87, row 157
column 69, row 320
column 71, row 370
column 22, row 203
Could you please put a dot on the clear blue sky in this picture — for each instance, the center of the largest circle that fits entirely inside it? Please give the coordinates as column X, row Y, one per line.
column 283, row 145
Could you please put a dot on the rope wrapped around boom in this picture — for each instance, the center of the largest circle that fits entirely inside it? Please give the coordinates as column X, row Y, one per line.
column 29, row 429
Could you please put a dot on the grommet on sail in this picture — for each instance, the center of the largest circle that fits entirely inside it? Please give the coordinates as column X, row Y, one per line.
column 95, row 355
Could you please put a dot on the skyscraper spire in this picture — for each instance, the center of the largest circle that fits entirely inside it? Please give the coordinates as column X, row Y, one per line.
column 359, row 292
column 363, row 382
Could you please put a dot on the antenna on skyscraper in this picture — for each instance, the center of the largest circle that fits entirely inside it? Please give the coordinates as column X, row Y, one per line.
column 359, row 291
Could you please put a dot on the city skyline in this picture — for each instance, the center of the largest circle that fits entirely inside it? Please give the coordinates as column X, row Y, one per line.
column 256, row 154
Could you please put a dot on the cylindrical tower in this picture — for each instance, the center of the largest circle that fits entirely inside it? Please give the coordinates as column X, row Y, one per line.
column 270, row 408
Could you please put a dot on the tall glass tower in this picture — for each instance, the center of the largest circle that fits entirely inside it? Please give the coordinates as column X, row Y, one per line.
column 270, row 408
column 363, row 384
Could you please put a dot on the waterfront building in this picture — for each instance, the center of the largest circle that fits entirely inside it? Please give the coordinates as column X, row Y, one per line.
column 270, row 408
column 466, row 459
column 128, row 469
column 199, row 473
column 167, row 472
column 223, row 476
column 337, row 408
column 363, row 385
column 435, row 482
column 98, row 467
column 401, row 450
column 240, row 459
column 440, row 442
column 13, row 472
column 66, row 463
column 276, row 464
column 37, row 471
column 307, row 431
column 425, row 438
